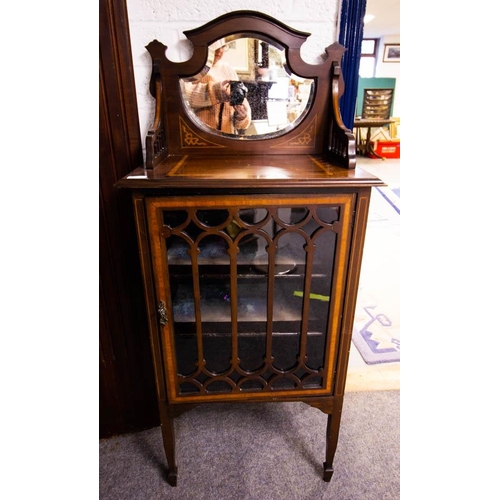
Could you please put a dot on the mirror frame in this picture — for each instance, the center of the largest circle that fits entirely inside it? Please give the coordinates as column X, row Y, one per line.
column 174, row 132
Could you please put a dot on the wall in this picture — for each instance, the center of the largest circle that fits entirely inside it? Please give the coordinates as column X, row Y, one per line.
column 389, row 70
column 166, row 20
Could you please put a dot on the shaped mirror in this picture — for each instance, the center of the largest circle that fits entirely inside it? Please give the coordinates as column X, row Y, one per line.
column 246, row 90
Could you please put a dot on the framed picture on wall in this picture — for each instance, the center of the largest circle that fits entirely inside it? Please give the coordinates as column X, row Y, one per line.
column 238, row 55
column 391, row 52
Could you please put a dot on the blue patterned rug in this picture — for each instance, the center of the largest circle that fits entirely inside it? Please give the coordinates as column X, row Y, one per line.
column 376, row 323
column 375, row 340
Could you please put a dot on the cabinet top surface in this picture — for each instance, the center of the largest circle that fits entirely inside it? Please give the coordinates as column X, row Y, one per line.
column 266, row 171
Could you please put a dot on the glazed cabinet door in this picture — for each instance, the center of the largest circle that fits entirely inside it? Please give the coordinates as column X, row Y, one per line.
column 249, row 293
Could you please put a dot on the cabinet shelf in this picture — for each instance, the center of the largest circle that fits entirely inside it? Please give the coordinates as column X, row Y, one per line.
column 252, row 311
column 251, row 273
column 214, row 259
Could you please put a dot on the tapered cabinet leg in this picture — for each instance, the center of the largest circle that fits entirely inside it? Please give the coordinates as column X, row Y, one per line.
column 332, row 438
column 331, row 446
column 167, row 431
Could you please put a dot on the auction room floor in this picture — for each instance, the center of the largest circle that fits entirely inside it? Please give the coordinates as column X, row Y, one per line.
column 381, row 376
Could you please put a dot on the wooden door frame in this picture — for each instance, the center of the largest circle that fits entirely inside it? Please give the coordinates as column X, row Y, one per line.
column 127, row 398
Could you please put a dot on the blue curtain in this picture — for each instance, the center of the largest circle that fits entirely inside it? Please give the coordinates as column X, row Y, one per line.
column 350, row 36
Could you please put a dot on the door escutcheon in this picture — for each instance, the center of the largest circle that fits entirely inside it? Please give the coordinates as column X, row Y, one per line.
column 162, row 313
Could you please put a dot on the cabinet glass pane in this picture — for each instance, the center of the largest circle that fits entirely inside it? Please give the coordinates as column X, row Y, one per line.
column 250, row 296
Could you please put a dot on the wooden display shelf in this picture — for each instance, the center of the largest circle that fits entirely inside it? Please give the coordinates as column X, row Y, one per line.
column 252, row 310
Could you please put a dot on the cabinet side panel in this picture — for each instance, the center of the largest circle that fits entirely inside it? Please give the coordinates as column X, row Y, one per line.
column 336, row 314
column 358, row 238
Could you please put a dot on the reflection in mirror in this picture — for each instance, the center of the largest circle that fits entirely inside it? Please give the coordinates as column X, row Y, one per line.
column 247, row 90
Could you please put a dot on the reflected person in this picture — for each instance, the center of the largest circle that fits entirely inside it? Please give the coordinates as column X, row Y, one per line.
column 210, row 96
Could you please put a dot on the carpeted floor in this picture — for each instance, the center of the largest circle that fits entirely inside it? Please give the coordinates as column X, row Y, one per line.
column 262, row 452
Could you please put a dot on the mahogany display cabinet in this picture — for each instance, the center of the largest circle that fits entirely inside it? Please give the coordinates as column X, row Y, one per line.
column 250, row 238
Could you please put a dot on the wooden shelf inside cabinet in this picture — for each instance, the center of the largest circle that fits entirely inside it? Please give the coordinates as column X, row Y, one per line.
column 213, row 260
column 250, row 242
column 251, row 309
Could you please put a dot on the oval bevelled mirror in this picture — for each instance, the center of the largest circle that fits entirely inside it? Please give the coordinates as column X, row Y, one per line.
column 246, row 90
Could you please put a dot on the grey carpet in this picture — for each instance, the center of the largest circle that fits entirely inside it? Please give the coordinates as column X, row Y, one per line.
column 262, row 452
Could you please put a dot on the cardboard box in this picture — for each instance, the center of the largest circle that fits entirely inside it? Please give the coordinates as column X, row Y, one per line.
column 386, row 149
